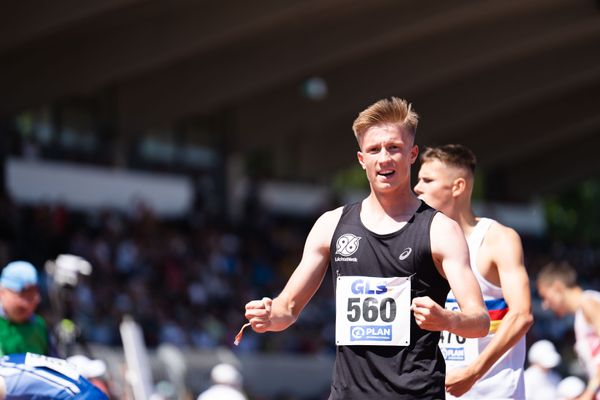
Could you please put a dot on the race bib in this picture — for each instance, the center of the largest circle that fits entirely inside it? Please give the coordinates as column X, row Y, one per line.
column 372, row 311
column 56, row 364
column 457, row 351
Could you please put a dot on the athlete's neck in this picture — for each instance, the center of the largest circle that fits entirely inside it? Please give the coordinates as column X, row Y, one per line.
column 468, row 222
column 462, row 213
column 398, row 206
column 573, row 298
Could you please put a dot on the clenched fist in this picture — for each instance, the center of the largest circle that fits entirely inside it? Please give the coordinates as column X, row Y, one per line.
column 429, row 315
column 258, row 312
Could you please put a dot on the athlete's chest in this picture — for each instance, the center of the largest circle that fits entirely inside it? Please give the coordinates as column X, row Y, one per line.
column 485, row 264
column 356, row 251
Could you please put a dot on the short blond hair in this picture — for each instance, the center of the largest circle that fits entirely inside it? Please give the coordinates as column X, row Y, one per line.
column 393, row 111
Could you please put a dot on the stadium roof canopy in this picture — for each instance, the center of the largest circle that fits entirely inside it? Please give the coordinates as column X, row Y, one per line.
column 516, row 80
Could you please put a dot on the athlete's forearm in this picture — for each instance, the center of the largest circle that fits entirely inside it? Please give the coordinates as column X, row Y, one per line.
column 283, row 314
column 470, row 323
column 514, row 326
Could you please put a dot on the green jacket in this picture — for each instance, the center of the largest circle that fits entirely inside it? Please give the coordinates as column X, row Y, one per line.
column 31, row 336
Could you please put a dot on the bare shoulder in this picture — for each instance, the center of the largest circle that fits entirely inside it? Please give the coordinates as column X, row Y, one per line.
column 443, row 224
column 590, row 305
column 446, row 236
column 499, row 231
column 503, row 244
column 502, row 238
column 449, row 249
column 323, row 229
column 329, row 218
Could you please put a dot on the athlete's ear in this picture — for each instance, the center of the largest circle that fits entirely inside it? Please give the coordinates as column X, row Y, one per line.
column 459, row 186
column 414, row 153
column 359, row 154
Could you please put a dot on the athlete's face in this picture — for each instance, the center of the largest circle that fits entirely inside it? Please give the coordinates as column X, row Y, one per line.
column 553, row 297
column 435, row 185
column 387, row 152
column 20, row 306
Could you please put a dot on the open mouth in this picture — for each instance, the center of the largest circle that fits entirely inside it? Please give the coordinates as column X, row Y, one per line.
column 386, row 173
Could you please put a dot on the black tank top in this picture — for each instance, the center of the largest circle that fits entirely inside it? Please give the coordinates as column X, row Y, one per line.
column 416, row 371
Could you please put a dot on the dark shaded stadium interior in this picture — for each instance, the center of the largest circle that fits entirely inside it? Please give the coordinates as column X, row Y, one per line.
column 518, row 81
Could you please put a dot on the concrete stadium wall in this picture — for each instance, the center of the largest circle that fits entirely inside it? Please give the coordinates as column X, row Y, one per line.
column 265, row 375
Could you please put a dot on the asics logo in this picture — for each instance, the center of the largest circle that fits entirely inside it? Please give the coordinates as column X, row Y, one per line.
column 404, row 255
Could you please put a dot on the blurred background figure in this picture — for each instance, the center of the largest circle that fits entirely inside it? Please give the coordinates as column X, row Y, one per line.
column 21, row 330
column 173, row 359
column 63, row 276
column 570, row 388
column 93, row 370
column 33, row 376
column 560, row 292
column 227, row 384
column 165, row 390
column 541, row 381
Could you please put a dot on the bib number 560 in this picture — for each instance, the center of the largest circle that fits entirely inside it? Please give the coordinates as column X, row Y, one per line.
column 371, row 309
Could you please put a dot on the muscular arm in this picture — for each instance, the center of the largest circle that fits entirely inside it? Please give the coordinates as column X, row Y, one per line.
column 281, row 312
column 506, row 251
column 451, row 257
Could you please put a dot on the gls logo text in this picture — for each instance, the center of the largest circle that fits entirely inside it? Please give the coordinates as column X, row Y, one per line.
column 361, row 287
column 347, row 244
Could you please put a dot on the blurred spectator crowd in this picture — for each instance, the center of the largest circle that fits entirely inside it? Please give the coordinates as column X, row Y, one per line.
column 186, row 280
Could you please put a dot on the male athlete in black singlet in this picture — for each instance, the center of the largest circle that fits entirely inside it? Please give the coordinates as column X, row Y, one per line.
column 393, row 260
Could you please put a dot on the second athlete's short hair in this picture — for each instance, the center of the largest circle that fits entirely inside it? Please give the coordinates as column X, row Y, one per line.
column 393, row 111
column 557, row 271
column 456, row 155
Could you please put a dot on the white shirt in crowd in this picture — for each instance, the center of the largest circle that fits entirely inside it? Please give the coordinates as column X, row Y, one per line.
column 540, row 384
column 222, row 392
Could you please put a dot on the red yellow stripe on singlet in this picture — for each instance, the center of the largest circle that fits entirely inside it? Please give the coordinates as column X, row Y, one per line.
column 497, row 309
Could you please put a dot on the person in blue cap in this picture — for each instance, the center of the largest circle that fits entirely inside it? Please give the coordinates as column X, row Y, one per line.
column 21, row 330
column 33, row 376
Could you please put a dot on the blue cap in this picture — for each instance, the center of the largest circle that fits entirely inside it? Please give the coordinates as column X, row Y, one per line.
column 18, row 275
